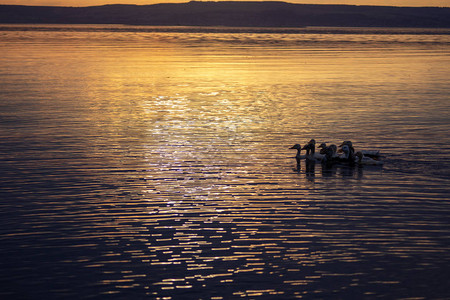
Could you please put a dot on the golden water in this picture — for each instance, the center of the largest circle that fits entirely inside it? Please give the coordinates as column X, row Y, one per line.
column 145, row 162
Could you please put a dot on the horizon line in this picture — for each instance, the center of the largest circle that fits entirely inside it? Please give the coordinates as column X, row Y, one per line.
column 212, row 1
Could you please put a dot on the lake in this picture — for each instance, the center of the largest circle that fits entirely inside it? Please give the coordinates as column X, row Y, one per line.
column 153, row 162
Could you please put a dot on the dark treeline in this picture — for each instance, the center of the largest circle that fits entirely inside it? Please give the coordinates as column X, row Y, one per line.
column 236, row 14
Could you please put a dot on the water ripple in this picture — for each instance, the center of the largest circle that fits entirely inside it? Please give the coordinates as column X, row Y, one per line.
column 131, row 168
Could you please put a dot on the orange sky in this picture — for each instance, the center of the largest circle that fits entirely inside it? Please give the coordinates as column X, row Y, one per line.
column 445, row 3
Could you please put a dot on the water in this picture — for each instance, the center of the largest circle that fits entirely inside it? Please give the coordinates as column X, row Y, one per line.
column 144, row 162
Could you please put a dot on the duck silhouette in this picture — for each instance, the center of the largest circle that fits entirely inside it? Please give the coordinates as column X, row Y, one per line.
column 298, row 156
column 310, row 147
column 328, row 152
column 362, row 159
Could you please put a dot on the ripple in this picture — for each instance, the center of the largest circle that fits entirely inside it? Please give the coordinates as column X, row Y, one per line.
column 148, row 170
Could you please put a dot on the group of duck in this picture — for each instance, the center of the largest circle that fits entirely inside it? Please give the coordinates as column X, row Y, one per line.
column 332, row 154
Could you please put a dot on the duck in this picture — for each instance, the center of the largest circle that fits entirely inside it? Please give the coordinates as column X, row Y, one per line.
column 351, row 150
column 344, row 152
column 298, row 157
column 324, row 148
column 328, row 153
column 310, row 152
column 362, row 159
column 371, row 153
column 347, row 153
column 310, row 147
column 349, row 144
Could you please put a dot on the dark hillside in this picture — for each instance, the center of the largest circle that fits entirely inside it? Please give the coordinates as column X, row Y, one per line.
column 246, row 14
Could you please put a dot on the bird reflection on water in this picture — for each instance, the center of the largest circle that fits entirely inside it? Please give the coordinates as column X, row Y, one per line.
column 309, row 169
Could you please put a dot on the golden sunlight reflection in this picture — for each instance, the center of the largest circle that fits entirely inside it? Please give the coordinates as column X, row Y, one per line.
column 158, row 164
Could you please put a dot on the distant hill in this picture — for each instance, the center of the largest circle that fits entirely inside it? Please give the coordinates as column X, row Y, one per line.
column 235, row 14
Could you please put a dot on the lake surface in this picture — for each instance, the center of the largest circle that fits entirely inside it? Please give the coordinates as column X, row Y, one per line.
column 153, row 163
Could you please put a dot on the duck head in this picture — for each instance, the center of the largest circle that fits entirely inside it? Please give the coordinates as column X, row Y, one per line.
column 359, row 155
column 346, row 150
column 310, row 144
column 310, row 147
column 323, row 148
column 348, row 143
column 296, row 146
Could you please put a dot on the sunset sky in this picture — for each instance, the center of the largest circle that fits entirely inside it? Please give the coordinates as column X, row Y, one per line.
column 445, row 3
